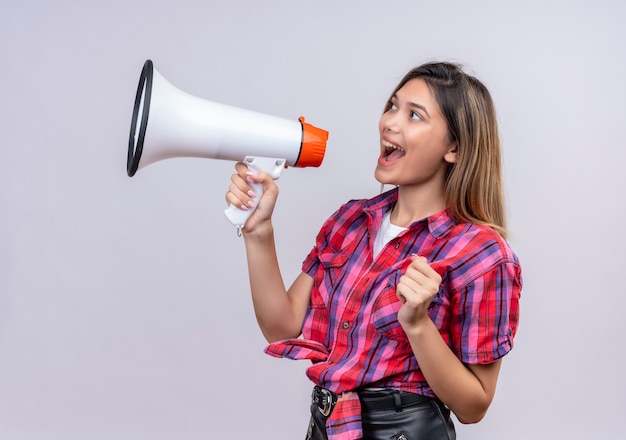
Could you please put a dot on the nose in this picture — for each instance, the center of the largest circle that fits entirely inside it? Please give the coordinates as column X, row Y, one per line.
column 389, row 122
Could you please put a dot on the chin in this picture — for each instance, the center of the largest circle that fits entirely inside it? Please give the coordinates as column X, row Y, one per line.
column 380, row 178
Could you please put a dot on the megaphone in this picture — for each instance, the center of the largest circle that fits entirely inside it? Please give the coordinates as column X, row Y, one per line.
column 169, row 123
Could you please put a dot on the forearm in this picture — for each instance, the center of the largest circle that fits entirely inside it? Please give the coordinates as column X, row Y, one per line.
column 452, row 381
column 273, row 308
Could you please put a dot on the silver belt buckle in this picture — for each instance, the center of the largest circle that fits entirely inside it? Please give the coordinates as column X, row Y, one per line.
column 327, row 402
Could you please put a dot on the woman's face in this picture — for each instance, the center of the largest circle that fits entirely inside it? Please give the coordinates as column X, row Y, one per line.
column 414, row 142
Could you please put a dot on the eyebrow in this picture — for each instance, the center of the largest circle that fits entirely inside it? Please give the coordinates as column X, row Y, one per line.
column 414, row 105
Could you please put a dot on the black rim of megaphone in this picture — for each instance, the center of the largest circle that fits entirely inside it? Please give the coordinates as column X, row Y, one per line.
column 135, row 148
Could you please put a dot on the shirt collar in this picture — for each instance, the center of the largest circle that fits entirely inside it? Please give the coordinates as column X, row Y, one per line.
column 439, row 224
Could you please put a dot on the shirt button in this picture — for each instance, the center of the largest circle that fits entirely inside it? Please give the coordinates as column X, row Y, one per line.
column 346, row 324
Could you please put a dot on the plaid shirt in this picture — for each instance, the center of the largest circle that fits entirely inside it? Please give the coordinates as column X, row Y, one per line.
column 351, row 331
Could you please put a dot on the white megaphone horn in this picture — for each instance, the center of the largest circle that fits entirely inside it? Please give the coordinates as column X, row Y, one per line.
column 169, row 123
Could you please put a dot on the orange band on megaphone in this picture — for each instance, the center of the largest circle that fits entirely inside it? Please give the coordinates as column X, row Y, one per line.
column 313, row 145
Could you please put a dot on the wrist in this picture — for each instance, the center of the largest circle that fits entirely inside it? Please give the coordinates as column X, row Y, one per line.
column 418, row 327
column 261, row 232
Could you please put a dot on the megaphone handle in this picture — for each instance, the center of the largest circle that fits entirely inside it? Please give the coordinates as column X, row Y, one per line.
column 238, row 216
column 270, row 165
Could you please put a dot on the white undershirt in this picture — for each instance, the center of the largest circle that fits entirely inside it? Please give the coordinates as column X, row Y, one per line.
column 386, row 233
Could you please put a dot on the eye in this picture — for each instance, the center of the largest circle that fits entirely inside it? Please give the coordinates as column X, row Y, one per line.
column 415, row 116
column 392, row 106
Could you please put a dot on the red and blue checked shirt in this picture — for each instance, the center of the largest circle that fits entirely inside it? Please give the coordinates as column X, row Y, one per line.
column 351, row 332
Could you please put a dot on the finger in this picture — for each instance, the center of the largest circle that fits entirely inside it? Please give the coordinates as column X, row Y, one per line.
column 401, row 294
column 266, row 183
column 243, row 184
column 421, row 264
column 238, row 198
column 241, row 169
column 240, row 187
column 417, row 275
column 429, row 285
column 416, row 288
column 260, row 177
column 240, row 193
column 408, row 296
column 408, row 288
column 409, row 282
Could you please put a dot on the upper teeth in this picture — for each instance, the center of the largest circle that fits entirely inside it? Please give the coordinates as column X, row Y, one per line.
column 390, row 145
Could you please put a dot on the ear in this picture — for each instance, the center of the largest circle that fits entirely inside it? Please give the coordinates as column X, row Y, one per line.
column 451, row 155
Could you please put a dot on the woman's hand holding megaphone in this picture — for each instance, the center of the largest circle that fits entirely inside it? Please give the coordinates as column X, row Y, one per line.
column 253, row 191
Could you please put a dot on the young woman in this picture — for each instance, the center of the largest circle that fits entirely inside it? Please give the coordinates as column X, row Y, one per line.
column 409, row 300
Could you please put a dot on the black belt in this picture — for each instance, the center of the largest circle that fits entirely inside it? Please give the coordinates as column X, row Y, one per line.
column 390, row 399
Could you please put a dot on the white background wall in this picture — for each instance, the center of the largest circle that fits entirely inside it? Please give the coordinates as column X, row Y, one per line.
column 124, row 304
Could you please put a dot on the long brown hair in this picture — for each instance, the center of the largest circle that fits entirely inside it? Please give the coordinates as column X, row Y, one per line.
column 473, row 187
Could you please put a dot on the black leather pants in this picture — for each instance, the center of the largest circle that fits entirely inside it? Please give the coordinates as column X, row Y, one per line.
column 394, row 415
column 426, row 418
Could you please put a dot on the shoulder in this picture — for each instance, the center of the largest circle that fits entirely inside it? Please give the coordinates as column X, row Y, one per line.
column 476, row 250
column 347, row 212
column 341, row 223
column 483, row 239
column 357, row 212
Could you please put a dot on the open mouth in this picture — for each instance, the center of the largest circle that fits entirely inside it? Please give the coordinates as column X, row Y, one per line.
column 391, row 151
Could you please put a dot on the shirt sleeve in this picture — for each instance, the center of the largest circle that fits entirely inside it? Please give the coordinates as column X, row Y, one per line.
column 311, row 262
column 485, row 315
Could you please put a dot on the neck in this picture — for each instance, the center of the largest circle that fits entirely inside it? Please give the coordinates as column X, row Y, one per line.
column 416, row 204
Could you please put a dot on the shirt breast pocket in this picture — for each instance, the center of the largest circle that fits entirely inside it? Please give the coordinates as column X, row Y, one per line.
column 385, row 310
column 334, row 265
